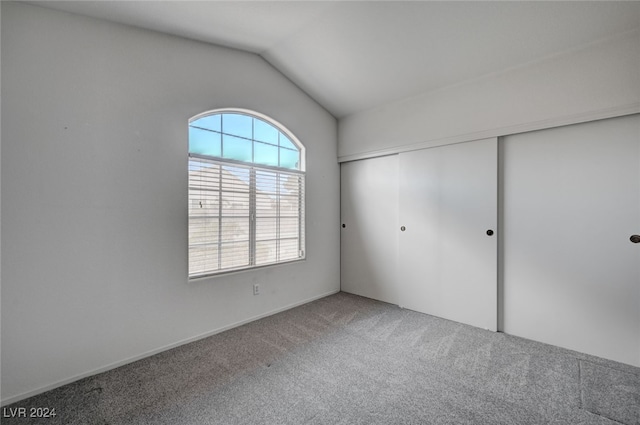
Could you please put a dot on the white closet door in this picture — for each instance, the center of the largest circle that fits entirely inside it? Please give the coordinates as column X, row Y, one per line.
column 369, row 236
column 448, row 203
column 571, row 205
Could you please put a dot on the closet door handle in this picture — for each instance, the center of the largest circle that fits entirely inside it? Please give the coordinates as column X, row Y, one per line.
column 403, row 228
column 635, row 238
column 489, row 232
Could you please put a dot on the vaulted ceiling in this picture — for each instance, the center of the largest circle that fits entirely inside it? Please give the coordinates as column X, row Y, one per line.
column 356, row 55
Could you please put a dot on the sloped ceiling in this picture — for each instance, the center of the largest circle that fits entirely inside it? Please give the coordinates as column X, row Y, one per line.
column 357, row 55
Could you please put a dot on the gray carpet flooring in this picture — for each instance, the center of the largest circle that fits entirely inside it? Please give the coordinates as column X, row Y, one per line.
column 345, row 359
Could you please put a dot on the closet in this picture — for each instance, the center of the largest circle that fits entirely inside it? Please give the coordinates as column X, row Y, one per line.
column 447, row 264
column 571, row 205
column 531, row 234
column 369, row 238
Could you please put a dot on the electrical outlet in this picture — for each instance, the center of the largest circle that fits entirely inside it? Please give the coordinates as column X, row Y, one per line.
column 256, row 289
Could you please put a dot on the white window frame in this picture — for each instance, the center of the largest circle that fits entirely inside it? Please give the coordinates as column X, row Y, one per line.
column 252, row 169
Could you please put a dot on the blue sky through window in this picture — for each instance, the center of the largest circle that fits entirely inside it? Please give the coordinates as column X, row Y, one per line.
column 265, row 132
column 238, row 125
column 205, row 142
column 242, row 138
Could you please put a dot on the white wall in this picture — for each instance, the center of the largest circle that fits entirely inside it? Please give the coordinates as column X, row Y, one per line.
column 94, row 199
column 597, row 81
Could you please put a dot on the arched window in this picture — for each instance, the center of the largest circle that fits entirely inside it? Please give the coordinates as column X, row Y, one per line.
column 246, row 192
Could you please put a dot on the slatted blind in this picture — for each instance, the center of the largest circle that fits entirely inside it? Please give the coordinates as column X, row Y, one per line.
column 243, row 215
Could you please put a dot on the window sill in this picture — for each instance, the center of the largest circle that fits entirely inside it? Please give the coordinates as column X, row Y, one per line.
column 243, row 270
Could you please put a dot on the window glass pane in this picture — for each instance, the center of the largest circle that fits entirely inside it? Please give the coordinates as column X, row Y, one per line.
column 235, row 204
column 203, row 231
column 203, row 259
column 203, row 175
column 265, row 132
column 266, row 252
column 266, row 205
column 237, row 125
column 266, row 228
column 289, row 227
column 266, row 181
column 203, row 203
column 289, row 184
column 236, row 148
column 235, row 179
column 289, row 159
column 234, row 255
column 289, row 249
column 285, row 142
column 265, row 154
column 204, row 142
column 210, row 122
column 289, row 206
column 203, row 234
column 235, row 229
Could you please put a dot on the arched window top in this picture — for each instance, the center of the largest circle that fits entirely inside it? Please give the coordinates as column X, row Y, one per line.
column 246, row 136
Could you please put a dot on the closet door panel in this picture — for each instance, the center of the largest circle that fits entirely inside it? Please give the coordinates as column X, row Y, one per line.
column 369, row 234
column 571, row 205
column 448, row 248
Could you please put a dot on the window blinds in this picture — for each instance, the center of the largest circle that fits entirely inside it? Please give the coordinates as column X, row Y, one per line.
column 243, row 215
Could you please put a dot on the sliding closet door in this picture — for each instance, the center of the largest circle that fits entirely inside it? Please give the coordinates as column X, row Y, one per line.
column 369, row 236
column 448, row 244
column 571, row 206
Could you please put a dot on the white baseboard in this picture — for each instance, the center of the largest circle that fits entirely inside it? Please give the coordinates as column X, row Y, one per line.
column 19, row 397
